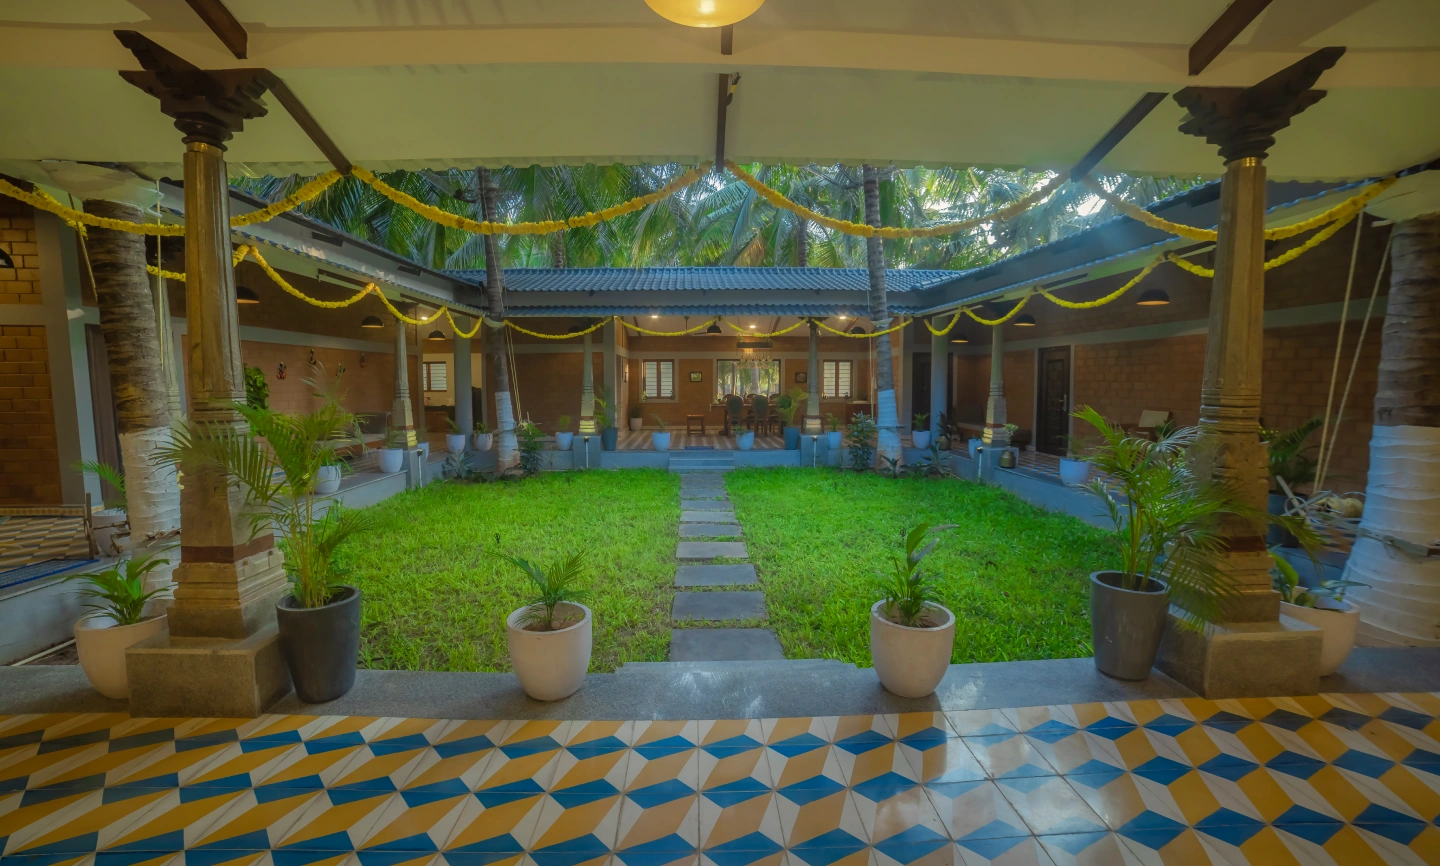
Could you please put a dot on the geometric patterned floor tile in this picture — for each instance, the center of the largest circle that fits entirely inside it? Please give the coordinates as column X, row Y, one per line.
column 1328, row 779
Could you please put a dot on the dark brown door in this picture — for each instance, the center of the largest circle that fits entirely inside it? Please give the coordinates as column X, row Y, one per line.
column 1054, row 422
column 920, row 386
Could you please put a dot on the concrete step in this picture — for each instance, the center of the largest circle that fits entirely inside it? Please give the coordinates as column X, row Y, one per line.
column 701, row 462
column 740, row 574
column 703, row 551
column 718, row 606
column 706, row 505
column 701, row 516
column 702, row 479
column 709, row 530
column 717, row 493
column 724, row 644
column 750, row 668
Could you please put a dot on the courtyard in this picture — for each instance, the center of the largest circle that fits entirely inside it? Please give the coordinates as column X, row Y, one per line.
column 1015, row 575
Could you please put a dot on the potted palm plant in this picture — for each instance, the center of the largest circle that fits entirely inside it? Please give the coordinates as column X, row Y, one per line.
column 660, row 439
column 390, row 455
column 564, row 437
column 788, row 405
column 919, row 433
column 609, row 433
column 637, row 416
column 1008, row 458
column 455, row 440
column 110, row 526
column 1322, row 606
column 482, row 438
column 943, row 440
column 550, row 636
column 115, row 620
column 1290, row 459
column 274, row 469
column 912, row 635
column 833, row 435
column 327, row 479
column 1074, row 468
column 1166, row 521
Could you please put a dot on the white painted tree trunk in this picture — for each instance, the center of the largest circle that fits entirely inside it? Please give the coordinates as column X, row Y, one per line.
column 507, row 447
column 152, row 500
column 1401, row 606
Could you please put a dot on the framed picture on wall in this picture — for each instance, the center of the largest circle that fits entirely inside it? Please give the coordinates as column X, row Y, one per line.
column 697, row 376
column 802, row 378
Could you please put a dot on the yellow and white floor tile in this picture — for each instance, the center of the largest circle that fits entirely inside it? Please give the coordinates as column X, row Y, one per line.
column 1334, row 780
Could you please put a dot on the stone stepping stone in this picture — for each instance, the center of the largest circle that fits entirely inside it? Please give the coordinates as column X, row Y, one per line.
column 705, row 550
column 704, row 493
column 701, row 481
column 718, row 606
column 709, row 530
column 703, row 516
column 724, row 645
column 707, row 505
column 742, row 574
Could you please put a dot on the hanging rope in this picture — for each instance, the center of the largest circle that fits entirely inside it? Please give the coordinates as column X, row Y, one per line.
column 1340, row 340
column 1326, row 454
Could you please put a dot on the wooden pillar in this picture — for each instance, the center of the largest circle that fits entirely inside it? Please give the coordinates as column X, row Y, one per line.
column 939, row 377
column 1254, row 652
column 995, row 432
column 812, row 406
column 464, row 383
column 608, row 376
column 587, row 385
column 402, row 414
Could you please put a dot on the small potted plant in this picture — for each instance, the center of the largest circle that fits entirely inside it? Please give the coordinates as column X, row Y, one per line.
column 660, row 439
column 327, row 478
column 564, row 437
column 609, row 433
column 911, row 634
column 115, row 620
column 482, row 438
column 550, row 636
column 1074, row 468
column 919, row 433
column 274, row 466
column 637, row 417
column 455, row 440
column 834, row 435
column 745, row 439
column 788, row 405
column 1166, row 521
column 390, row 456
column 943, row 440
column 110, row 526
column 1008, row 458
column 1322, row 606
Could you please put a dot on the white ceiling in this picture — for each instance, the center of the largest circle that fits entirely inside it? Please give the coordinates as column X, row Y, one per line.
column 411, row 83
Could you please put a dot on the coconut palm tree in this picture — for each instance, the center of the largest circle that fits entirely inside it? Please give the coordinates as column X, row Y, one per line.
column 133, row 355
column 507, row 448
column 887, row 438
column 1400, row 604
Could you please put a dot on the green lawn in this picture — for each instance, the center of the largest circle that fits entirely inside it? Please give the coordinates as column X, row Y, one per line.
column 1015, row 576
column 434, row 601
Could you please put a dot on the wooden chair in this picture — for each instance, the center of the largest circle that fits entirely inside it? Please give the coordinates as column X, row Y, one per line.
column 759, row 419
column 1150, row 419
column 734, row 413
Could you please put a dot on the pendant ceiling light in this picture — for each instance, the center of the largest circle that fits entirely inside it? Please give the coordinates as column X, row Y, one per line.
column 704, row 13
column 1154, row 298
column 244, row 295
column 959, row 337
column 1025, row 320
column 372, row 322
column 714, row 328
column 437, row 334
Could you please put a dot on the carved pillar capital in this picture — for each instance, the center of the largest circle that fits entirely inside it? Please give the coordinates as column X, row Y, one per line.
column 208, row 106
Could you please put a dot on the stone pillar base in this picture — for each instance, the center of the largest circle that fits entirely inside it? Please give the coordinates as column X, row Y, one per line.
column 1243, row 660
column 206, row 677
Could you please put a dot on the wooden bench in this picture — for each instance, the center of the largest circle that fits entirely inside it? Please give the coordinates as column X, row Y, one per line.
column 692, row 420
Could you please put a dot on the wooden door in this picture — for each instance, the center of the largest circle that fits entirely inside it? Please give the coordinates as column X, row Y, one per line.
column 919, row 387
column 1053, row 425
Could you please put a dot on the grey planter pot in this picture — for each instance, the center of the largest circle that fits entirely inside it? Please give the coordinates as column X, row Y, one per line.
column 321, row 645
column 792, row 438
column 609, row 438
column 1126, row 625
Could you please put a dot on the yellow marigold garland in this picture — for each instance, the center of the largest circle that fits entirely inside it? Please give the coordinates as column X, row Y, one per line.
column 300, row 196
column 864, row 230
column 455, row 221
column 595, row 327
column 1282, row 259
column 1115, row 295
column 890, row 330
column 1345, row 210
column 779, row 333
column 687, row 331
column 1003, row 319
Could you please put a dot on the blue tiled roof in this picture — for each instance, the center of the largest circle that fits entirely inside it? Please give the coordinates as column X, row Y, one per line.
column 705, row 278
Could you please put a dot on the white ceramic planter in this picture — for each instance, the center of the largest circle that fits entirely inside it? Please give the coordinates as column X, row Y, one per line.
column 101, row 646
column 483, row 441
column 910, row 661
column 550, row 664
column 1337, row 622
column 1074, row 473
column 564, row 441
column 637, row 424
column 391, row 460
column 833, row 439
column 661, row 441
column 745, row 441
column 455, row 442
column 921, row 438
column 974, row 445
column 327, row 480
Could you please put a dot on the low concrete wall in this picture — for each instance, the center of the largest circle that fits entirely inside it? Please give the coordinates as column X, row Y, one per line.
column 37, row 615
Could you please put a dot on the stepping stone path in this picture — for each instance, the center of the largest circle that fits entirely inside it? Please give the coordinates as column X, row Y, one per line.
column 706, row 513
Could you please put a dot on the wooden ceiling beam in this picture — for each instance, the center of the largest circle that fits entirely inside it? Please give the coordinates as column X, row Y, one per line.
column 1117, row 133
column 1231, row 23
column 223, row 24
column 307, row 122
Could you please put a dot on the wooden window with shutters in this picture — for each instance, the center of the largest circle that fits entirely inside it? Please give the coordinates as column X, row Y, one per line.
column 435, row 376
column 659, row 380
column 835, row 380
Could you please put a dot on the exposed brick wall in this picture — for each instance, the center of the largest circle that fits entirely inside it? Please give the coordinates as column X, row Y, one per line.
column 29, row 458
column 20, row 284
column 1120, row 380
column 972, row 387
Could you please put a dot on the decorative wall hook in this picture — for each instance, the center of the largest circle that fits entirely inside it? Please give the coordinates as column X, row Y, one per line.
column 280, row 372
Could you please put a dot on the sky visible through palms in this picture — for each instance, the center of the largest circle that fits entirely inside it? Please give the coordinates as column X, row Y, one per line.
column 718, row 221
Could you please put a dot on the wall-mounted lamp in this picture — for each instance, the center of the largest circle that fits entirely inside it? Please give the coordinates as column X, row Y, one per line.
column 362, row 360
column 1153, row 298
column 312, row 357
column 280, row 371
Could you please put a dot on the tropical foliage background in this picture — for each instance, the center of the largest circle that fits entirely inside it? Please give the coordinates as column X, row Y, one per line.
column 718, row 221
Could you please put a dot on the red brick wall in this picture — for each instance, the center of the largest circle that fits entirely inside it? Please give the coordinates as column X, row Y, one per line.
column 20, row 284
column 972, row 387
column 1120, row 380
column 29, row 458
